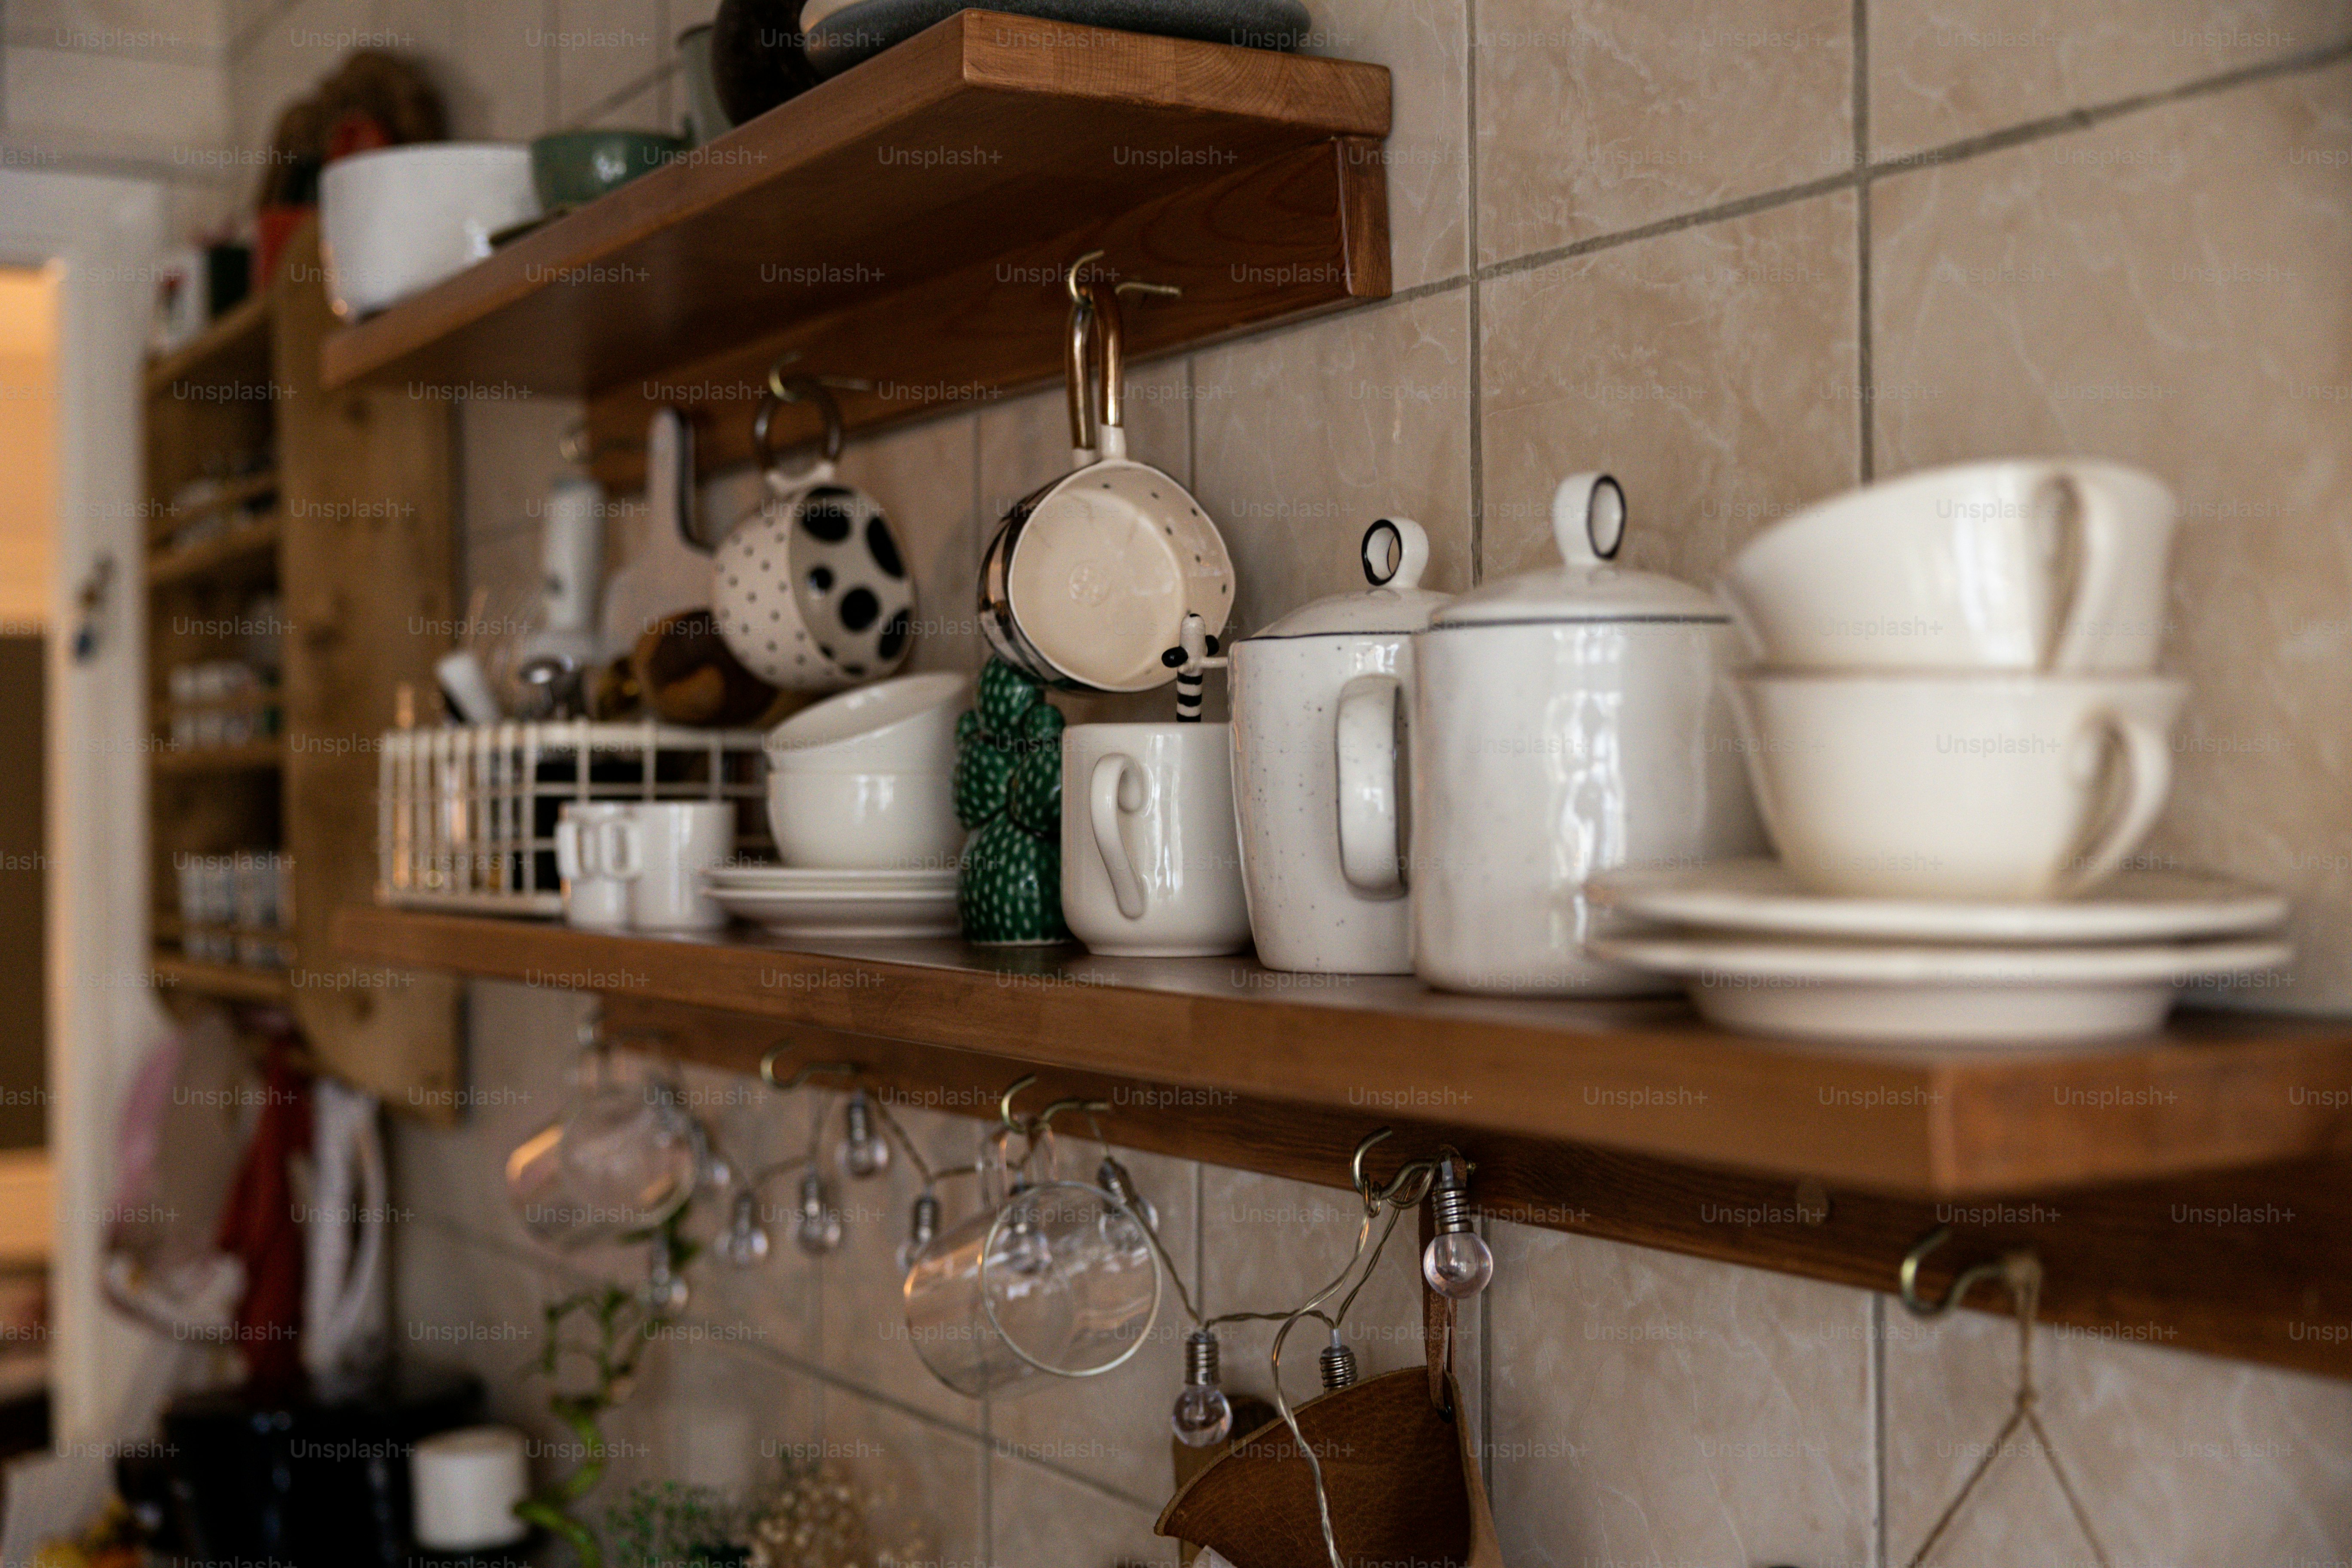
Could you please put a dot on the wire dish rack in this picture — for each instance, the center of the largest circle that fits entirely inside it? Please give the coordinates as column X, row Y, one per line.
column 466, row 815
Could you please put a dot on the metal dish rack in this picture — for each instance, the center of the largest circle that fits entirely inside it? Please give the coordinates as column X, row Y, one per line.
column 466, row 815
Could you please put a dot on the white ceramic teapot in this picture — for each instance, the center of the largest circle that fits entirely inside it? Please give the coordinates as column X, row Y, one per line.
column 1286, row 682
column 1563, row 722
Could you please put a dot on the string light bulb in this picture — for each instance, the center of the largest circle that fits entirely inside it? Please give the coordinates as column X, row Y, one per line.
column 1202, row 1414
column 922, row 1229
column 819, row 1231
column 744, row 1242
column 1456, row 1263
column 864, row 1151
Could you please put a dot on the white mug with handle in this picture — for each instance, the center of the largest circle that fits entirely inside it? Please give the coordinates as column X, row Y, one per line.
column 1151, row 865
column 597, row 858
column 673, row 842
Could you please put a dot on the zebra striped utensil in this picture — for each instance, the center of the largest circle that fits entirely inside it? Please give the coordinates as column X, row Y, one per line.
column 1191, row 659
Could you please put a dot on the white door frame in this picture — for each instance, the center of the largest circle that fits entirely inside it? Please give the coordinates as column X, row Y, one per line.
column 103, row 234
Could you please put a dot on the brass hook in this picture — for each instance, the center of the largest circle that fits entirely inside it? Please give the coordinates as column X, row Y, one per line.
column 1136, row 286
column 805, row 1072
column 1356, row 1164
column 1004, row 1103
column 1070, row 278
column 2011, row 1266
column 1045, row 1117
column 1413, row 1176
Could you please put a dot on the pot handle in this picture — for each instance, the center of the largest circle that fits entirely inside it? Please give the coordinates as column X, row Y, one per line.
column 1412, row 554
column 1588, row 519
column 2147, row 765
column 1118, row 788
column 1365, row 740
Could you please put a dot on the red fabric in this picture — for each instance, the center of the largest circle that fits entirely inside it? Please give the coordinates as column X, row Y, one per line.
column 257, row 1225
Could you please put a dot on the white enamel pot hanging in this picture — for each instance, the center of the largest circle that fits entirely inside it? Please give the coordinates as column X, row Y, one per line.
column 811, row 589
column 1089, row 580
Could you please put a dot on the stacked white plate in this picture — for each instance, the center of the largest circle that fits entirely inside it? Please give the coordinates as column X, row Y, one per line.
column 808, row 901
column 1760, row 952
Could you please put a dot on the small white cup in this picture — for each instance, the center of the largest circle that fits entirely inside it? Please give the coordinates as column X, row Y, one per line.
column 597, row 858
column 906, row 725
column 1150, row 863
column 864, row 822
column 1957, row 788
column 673, row 843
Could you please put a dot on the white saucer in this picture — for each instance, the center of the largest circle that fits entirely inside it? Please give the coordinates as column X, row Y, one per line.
column 1763, row 896
column 1990, row 998
column 852, row 911
column 810, row 878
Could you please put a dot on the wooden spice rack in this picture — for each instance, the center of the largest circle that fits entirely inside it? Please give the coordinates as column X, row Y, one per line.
column 356, row 546
column 908, row 223
column 1631, row 1121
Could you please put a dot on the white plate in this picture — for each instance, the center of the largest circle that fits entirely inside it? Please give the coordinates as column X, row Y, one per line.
column 1990, row 998
column 852, row 914
column 796, row 879
column 1764, row 896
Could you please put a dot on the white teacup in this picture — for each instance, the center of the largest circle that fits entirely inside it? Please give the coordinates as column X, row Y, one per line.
column 1150, row 865
column 2031, row 564
column 597, row 859
column 907, row 725
column 673, row 843
column 864, row 822
column 1957, row 788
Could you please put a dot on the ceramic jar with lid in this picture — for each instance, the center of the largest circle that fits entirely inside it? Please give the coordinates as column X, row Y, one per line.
column 1561, row 723
column 1286, row 683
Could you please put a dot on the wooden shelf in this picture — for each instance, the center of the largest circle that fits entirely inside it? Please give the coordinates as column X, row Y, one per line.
column 905, row 222
column 251, row 756
column 233, row 350
column 234, row 493
column 226, row 981
column 2189, row 1191
column 236, row 547
column 1644, row 1078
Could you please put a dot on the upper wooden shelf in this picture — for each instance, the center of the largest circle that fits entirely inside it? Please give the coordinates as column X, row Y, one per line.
column 2215, row 1092
column 905, row 222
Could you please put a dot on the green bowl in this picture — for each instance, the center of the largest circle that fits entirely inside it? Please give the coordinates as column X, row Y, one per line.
column 572, row 168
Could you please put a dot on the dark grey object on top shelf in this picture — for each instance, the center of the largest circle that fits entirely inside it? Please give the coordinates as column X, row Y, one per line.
column 864, row 28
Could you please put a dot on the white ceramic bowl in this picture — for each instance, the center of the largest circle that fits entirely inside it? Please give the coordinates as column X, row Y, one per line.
column 884, row 821
column 907, row 725
column 396, row 221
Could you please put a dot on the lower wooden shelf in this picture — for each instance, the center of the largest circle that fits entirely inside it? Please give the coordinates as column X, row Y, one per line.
column 2184, row 1192
column 2215, row 1092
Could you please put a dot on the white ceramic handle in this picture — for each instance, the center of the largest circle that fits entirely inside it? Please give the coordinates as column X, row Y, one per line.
column 2098, row 514
column 1588, row 519
column 623, row 842
column 567, row 851
column 1411, row 548
column 2147, row 762
column 1118, row 786
column 1364, row 738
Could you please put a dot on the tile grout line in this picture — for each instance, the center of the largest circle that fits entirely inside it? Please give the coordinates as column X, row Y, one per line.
column 2019, row 135
column 1476, row 401
column 1866, row 404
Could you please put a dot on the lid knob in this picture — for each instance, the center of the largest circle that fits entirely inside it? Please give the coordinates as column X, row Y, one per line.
column 1588, row 519
column 1411, row 544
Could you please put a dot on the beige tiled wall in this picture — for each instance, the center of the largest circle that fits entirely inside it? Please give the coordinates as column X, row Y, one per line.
column 1744, row 255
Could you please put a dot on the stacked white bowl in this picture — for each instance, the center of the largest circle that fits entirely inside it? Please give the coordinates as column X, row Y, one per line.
column 865, row 781
column 1955, row 693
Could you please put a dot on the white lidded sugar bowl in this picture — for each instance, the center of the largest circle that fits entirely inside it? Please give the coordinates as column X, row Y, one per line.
column 1560, row 722
column 1286, row 681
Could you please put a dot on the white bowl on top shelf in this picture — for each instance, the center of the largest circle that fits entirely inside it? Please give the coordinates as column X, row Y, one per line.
column 395, row 221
